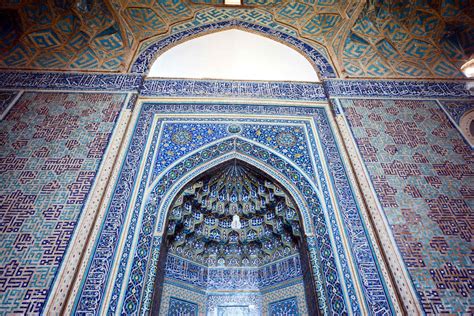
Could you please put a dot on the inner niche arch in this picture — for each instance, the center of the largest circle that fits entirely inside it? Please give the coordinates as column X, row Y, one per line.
column 228, row 226
column 143, row 270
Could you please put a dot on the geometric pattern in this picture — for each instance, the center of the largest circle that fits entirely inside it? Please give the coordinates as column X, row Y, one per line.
column 456, row 109
column 419, row 40
column 422, row 172
column 181, row 293
column 135, row 281
column 179, row 307
column 200, row 228
column 284, row 307
column 62, row 35
column 6, row 97
column 51, row 147
column 386, row 39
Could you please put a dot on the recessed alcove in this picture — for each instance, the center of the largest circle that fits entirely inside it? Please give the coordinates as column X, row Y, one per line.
column 234, row 55
column 234, row 246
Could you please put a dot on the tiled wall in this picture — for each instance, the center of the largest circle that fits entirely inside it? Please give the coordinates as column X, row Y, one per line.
column 423, row 175
column 51, row 145
column 288, row 300
column 177, row 299
column 273, row 283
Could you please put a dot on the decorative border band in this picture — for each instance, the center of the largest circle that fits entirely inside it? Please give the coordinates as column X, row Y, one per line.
column 217, row 88
column 70, row 81
column 396, row 88
column 334, row 88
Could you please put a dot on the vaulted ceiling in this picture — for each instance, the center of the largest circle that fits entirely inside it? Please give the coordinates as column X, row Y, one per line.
column 373, row 38
column 201, row 222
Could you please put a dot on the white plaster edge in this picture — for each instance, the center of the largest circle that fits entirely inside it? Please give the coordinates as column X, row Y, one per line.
column 121, row 144
column 11, row 104
column 67, row 271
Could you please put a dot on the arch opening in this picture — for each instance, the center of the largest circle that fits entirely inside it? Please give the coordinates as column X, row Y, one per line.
column 233, row 230
column 234, row 54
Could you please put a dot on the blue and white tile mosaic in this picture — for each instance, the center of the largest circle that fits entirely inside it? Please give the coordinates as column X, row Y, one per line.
column 229, row 89
column 233, row 278
column 178, row 307
column 456, row 109
column 180, row 137
column 284, row 307
column 6, row 98
column 69, row 81
column 335, row 292
column 396, row 89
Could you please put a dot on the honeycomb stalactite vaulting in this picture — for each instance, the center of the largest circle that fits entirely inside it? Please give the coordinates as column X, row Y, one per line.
column 200, row 224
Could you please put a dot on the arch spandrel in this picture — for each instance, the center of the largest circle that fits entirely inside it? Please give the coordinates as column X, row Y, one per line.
column 302, row 203
column 146, row 58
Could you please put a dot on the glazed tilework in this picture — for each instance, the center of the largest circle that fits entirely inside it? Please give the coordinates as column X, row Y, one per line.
column 242, row 89
column 179, row 307
column 396, row 89
column 323, row 261
column 288, row 306
column 176, row 298
column 423, row 39
column 456, row 109
column 6, row 98
column 289, row 140
column 51, row 147
column 422, row 172
column 237, row 89
column 247, row 303
column 289, row 300
column 397, row 39
column 215, row 278
column 69, row 81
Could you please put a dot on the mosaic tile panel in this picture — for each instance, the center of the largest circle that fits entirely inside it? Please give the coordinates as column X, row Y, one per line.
column 290, row 300
column 422, row 172
column 69, row 81
column 176, row 297
column 51, row 147
column 233, row 278
column 408, row 39
column 6, row 98
column 375, row 293
column 247, row 303
column 179, row 139
column 284, row 307
column 456, row 109
column 179, row 307
column 243, row 89
column 396, row 89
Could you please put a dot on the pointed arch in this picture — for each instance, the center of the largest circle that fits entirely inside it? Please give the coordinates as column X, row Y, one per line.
column 326, row 273
column 233, row 54
column 145, row 59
